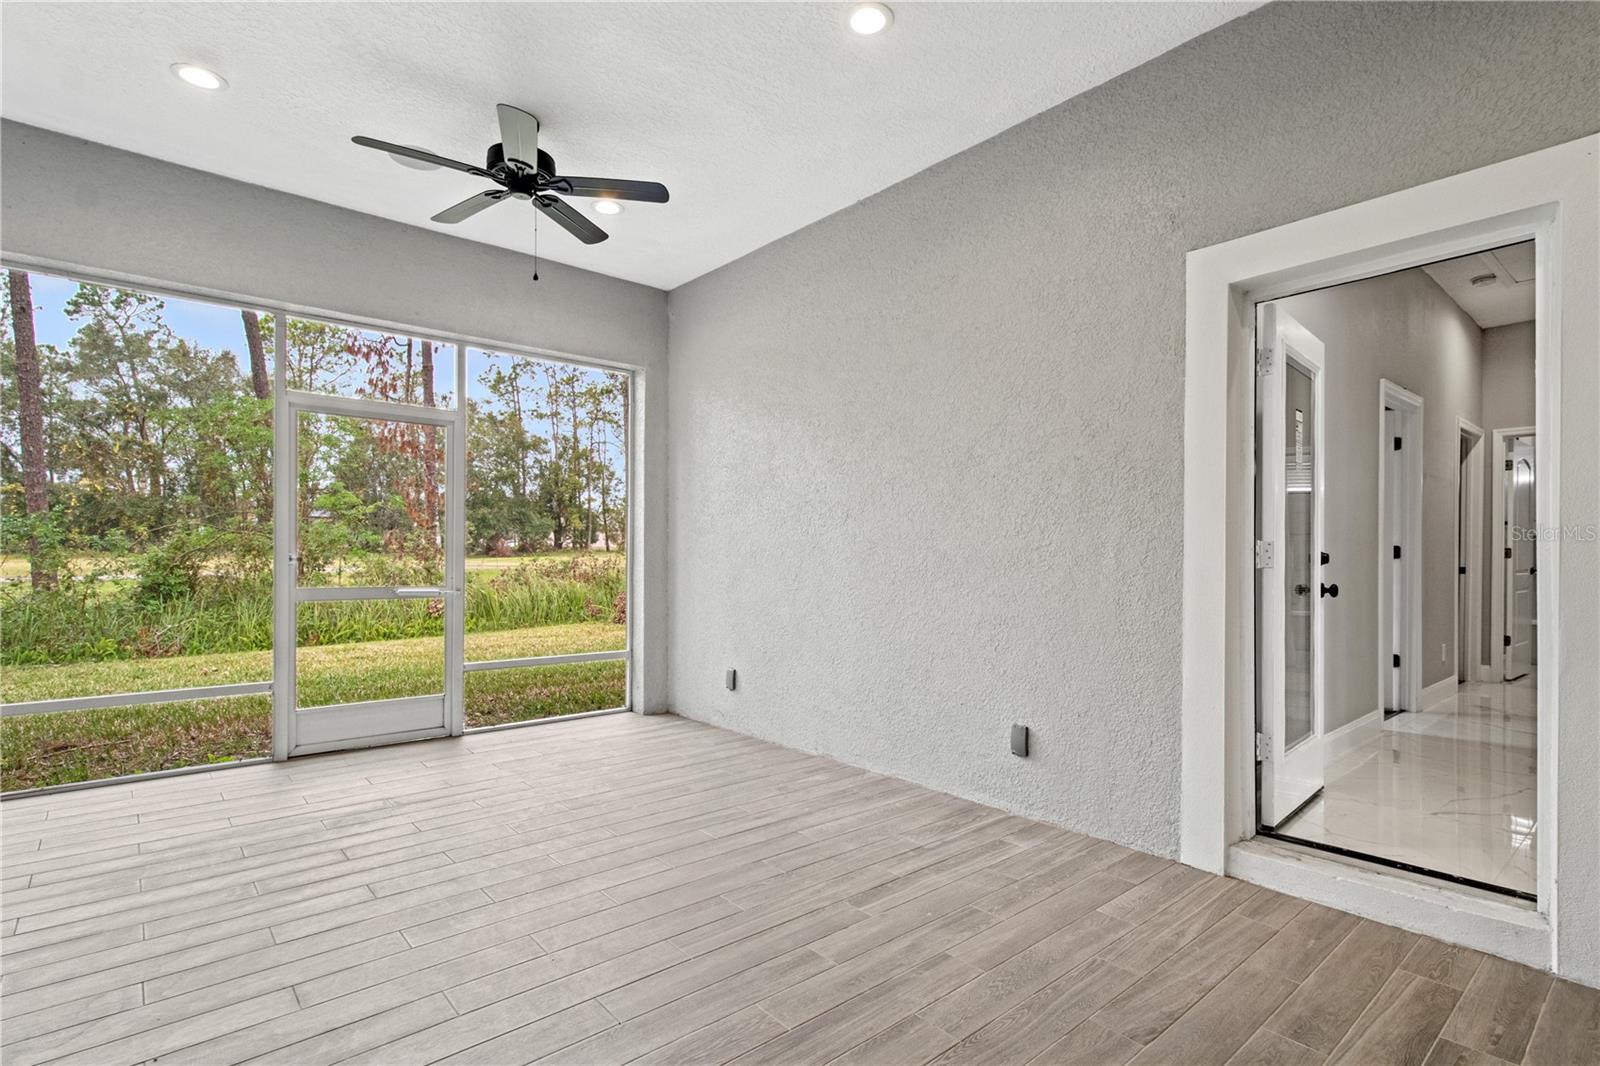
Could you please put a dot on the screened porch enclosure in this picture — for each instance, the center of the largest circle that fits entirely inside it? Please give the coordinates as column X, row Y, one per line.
column 235, row 534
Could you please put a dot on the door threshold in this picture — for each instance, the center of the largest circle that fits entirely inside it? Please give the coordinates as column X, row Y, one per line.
column 1395, row 864
column 1458, row 914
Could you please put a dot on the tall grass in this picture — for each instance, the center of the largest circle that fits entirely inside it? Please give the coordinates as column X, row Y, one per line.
column 88, row 621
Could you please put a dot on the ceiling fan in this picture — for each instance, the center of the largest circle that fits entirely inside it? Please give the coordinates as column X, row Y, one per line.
column 524, row 171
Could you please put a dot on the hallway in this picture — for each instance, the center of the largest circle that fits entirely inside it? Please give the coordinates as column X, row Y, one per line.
column 1451, row 788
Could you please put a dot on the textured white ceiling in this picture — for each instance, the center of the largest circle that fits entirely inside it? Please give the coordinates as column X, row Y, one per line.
column 1508, row 299
column 761, row 117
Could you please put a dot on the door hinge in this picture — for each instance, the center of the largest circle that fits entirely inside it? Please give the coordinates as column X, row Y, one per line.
column 1508, row 464
column 1461, row 569
column 1263, row 554
column 1508, row 553
column 1397, row 662
column 1506, row 641
column 1397, row 551
column 1397, row 442
column 1264, row 363
column 1263, row 748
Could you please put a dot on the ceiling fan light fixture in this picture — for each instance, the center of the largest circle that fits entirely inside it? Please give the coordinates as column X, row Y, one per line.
column 199, row 77
column 413, row 163
column 606, row 207
column 868, row 19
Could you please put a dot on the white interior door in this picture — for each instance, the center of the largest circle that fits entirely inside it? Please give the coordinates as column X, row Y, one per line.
column 1290, row 590
column 1522, row 553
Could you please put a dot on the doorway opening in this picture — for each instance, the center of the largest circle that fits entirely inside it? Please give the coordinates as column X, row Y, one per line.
column 1411, row 749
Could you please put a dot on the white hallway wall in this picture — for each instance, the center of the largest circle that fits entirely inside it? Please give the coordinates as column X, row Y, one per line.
column 64, row 200
column 1508, row 403
column 926, row 454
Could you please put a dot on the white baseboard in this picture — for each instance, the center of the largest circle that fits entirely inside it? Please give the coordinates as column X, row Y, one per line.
column 1439, row 690
column 1351, row 735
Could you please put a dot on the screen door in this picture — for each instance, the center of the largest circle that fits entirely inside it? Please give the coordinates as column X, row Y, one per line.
column 369, row 550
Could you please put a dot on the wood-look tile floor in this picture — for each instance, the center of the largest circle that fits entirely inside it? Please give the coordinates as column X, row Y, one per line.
column 625, row 889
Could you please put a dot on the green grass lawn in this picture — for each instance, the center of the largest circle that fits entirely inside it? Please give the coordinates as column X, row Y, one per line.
column 49, row 749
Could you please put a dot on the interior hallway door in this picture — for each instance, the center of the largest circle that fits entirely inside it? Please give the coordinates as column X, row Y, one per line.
column 1290, row 589
column 1521, row 545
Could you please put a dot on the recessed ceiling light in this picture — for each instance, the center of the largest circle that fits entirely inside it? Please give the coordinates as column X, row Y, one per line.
column 411, row 163
column 867, row 19
column 607, row 207
column 199, row 77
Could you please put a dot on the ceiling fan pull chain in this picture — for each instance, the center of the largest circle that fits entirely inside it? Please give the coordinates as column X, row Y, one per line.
column 535, row 247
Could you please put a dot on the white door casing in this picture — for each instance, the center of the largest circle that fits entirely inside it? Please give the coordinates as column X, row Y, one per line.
column 1547, row 196
column 1400, row 413
column 1291, row 491
column 1469, row 540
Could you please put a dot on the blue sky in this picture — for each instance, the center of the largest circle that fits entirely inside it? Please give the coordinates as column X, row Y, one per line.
column 214, row 327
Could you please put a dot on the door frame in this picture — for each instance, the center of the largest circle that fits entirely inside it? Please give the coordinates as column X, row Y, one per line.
column 1287, row 339
column 1548, row 196
column 287, row 405
column 1410, row 408
column 1497, row 554
column 1469, row 644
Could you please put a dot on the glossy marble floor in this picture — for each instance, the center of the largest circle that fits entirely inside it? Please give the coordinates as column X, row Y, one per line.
column 1449, row 788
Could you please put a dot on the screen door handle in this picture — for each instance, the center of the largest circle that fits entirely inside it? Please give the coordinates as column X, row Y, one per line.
column 419, row 593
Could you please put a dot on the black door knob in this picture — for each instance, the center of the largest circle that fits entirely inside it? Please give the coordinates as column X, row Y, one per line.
column 1330, row 590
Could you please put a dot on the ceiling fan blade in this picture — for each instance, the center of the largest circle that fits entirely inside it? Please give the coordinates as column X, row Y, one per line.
column 419, row 154
column 471, row 206
column 617, row 188
column 570, row 219
column 519, row 135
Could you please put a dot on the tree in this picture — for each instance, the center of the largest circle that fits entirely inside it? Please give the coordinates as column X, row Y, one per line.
column 36, row 500
column 259, row 381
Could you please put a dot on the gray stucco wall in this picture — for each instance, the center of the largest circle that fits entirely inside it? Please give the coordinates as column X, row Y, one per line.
column 926, row 453
column 1402, row 327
